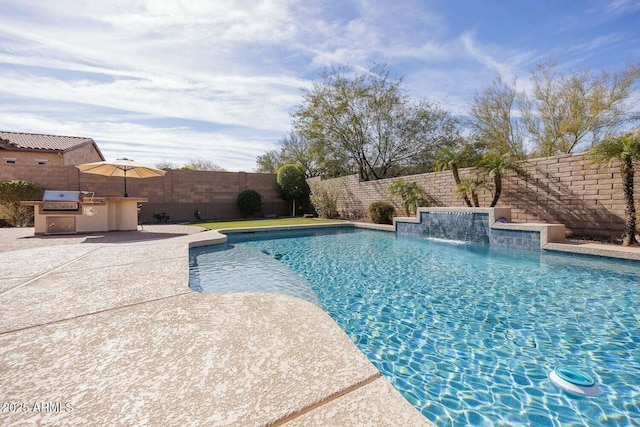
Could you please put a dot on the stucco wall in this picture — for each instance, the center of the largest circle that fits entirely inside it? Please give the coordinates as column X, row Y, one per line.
column 560, row 189
column 77, row 156
column 179, row 193
column 30, row 158
column 84, row 154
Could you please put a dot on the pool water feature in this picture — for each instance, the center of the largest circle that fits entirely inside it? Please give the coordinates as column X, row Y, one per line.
column 450, row 226
column 469, row 333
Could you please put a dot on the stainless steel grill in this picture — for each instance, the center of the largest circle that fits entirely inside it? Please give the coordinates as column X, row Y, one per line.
column 53, row 200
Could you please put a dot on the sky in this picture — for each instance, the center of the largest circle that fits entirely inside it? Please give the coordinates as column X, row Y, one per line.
column 174, row 80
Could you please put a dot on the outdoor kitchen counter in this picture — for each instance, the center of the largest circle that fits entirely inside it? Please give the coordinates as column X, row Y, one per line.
column 120, row 199
column 94, row 214
column 123, row 213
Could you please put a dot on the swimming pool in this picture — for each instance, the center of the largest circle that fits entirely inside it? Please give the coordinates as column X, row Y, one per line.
column 467, row 333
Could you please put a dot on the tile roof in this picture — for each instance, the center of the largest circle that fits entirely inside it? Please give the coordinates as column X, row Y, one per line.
column 34, row 141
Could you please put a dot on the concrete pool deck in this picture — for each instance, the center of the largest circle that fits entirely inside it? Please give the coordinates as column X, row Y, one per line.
column 102, row 329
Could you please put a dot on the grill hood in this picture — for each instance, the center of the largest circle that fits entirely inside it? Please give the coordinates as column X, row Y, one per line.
column 61, row 196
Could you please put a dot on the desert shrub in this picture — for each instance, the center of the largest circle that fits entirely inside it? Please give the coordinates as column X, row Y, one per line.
column 381, row 212
column 11, row 194
column 249, row 202
column 162, row 217
column 324, row 198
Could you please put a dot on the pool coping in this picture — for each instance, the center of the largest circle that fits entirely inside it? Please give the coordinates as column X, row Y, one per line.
column 596, row 249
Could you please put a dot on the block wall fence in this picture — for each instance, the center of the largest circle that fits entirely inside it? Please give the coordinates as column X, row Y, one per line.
column 589, row 200
column 179, row 194
column 560, row 189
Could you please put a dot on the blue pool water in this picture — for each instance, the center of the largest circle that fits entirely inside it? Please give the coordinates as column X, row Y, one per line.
column 467, row 333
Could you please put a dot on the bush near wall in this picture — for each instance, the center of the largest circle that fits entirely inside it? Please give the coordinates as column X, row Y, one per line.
column 11, row 194
column 249, row 202
column 381, row 212
column 324, row 198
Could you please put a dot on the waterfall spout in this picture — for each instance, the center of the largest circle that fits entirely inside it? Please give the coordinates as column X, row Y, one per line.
column 450, row 225
column 478, row 225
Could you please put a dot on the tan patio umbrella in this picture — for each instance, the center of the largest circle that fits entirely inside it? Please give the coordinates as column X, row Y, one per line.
column 121, row 167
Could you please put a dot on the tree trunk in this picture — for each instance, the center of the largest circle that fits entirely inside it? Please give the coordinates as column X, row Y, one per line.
column 497, row 180
column 629, row 238
column 474, row 197
column 456, row 178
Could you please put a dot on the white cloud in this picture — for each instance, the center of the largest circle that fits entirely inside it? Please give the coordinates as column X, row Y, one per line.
column 619, row 7
column 482, row 56
column 224, row 75
column 218, row 99
column 233, row 150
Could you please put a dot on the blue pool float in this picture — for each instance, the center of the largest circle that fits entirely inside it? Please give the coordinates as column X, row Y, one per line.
column 574, row 381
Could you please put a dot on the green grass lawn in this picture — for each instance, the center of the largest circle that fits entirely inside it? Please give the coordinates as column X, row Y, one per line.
column 261, row 222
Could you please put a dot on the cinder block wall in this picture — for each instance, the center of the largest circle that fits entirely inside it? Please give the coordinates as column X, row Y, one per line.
column 560, row 189
column 179, row 194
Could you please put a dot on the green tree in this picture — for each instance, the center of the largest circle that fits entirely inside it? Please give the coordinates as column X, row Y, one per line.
column 496, row 165
column 411, row 195
column 11, row 194
column 292, row 184
column 294, row 149
column 566, row 110
column 470, row 187
column 624, row 149
column 494, row 121
column 454, row 158
column 368, row 124
column 200, row 164
column 269, row 162
column 165, row 165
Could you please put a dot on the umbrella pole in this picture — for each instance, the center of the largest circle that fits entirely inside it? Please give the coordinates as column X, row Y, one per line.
column 125, row 184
